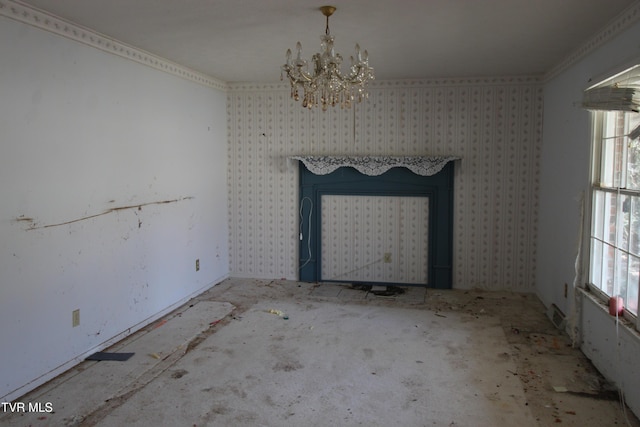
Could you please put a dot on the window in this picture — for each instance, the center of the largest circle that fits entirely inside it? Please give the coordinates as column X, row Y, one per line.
column 614, row 266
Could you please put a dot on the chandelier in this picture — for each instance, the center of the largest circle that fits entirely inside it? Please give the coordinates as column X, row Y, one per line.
column 326, row 85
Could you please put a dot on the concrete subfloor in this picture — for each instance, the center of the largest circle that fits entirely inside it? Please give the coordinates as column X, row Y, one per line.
column 281, row 353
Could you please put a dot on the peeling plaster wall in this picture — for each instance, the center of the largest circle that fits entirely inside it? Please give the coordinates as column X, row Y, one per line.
column 564, row 184
column 112, row 183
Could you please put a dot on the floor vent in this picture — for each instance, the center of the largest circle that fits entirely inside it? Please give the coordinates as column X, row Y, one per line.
column 557, row 317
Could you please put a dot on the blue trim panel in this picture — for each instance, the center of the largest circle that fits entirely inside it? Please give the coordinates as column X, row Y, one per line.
column 395, row 182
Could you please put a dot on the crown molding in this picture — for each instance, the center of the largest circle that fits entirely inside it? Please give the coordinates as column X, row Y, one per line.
column 416, row 83
column 623, row 21
column 257, row 86
column 459, row 81
column 32, row 16
column 38, row 18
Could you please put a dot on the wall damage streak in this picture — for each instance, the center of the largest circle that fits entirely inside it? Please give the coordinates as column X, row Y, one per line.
column 33, row 225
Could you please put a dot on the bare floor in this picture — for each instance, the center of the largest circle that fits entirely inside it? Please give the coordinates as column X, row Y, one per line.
column 281, row 353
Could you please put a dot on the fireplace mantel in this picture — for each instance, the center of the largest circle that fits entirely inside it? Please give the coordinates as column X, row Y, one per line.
column 428, row 177
column 375, row 165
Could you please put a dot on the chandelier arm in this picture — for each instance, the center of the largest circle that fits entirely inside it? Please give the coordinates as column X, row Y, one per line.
column 345, row 79
column 357, row 76
column 294, row 71
column 300, row 77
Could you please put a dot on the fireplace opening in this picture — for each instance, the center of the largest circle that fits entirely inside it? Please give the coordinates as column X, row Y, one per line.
column 374, row 238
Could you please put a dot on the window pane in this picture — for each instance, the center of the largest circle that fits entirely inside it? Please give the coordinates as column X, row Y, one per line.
column 634, row 239
column 608, row 268
column 631, row 298
column 613, row 147
column 632, row 120
column 598, row 217
column 609, row 213
column 612, row 124
column 633, row 165
column 596, row 263
column 622, row 227
column 611, row 168
column 621, row 274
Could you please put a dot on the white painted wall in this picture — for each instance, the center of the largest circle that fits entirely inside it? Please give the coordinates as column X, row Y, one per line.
column 564, row 181
column 97, row 144
column 612, row 347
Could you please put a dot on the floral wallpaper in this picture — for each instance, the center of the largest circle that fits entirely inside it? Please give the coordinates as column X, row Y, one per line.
column 493, row 124
column 374, row 238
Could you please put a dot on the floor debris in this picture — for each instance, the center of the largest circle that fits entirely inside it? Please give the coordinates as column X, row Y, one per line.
column 229, row 376
column 160, row 323
column 102, row 356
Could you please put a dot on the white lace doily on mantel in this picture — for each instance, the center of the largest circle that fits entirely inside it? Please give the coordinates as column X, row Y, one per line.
column 375, row 165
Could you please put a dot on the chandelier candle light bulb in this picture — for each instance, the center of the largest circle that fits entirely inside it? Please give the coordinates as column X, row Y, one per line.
column 326, row 85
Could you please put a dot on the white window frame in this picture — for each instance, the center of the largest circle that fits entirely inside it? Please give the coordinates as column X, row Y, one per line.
column 597, row 155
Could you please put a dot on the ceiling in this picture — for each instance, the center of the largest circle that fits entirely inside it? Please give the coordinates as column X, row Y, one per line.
column 246, row 40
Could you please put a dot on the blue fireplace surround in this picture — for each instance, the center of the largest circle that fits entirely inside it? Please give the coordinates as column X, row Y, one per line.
column 398, row 181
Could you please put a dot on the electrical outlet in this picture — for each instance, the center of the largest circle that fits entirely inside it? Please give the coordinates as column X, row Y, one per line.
column 387, row 257
column 75, row 318
column 198, row 265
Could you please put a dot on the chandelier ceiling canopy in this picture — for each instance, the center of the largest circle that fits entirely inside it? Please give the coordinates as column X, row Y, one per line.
column 324, row 85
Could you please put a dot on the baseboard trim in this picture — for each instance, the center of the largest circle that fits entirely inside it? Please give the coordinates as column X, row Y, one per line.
column 44, row 378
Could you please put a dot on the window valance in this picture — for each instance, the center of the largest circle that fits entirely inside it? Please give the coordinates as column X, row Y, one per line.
column 612, row 98
column 375, row 165
column 620, row 92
